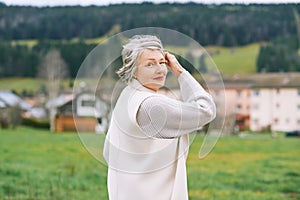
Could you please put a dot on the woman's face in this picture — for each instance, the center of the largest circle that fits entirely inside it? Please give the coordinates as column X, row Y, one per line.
column 151, row 69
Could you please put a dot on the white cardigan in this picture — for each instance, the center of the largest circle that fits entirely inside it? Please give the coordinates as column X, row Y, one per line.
column 146, row 146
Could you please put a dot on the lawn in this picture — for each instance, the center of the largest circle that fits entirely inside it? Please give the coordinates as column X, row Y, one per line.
column 258, row 167
column 36, row 164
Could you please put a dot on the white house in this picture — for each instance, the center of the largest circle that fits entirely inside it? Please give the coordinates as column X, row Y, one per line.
column 87, row 105
column 81, row 112
column 275, row 102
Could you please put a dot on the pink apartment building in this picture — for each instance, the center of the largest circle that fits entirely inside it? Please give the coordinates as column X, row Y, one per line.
column 269, row 101
column 275, row 102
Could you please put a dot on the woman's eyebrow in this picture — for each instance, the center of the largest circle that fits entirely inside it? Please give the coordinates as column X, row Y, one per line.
column 154, row 59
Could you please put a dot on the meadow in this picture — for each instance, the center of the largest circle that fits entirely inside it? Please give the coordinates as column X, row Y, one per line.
column 37, row 164
column 235, row 60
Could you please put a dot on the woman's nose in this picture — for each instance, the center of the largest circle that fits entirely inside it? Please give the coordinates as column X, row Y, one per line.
column 161, row 68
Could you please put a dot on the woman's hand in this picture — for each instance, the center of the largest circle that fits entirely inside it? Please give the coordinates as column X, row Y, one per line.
column 173, row 64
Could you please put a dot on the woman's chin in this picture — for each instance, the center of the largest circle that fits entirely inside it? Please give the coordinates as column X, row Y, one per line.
column 155, row 86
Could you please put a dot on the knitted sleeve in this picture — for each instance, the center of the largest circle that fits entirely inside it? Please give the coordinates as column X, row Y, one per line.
column 163, row 117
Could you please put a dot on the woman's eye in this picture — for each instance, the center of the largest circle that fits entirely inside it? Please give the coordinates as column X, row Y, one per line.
column 150, row 65
column 163, row 63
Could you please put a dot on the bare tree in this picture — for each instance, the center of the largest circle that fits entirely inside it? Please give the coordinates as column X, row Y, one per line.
column 53, row 69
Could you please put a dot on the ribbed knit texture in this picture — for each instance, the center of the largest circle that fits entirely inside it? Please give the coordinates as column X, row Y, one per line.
column 162, row 117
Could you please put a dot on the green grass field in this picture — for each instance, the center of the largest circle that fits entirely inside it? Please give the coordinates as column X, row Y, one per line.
column 21, row 84
column 237, row 60
column 36, row 164
column 30, row 85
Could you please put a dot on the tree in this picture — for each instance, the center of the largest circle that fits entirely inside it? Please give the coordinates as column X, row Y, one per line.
column 53, row 69
column 279, row 56
column 74, row 54
column 297, row 21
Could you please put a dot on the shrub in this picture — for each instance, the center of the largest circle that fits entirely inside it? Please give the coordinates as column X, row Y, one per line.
column 36, row 123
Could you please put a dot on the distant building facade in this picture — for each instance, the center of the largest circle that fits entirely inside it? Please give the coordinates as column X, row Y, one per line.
column 276, row 102
column 269, row 101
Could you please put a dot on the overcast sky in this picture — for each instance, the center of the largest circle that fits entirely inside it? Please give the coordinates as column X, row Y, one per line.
column 106, row 2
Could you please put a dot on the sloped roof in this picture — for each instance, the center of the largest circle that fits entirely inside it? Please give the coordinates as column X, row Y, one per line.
column 263, row 80
column 60, row 101
column 271, row 80
column 8, row 98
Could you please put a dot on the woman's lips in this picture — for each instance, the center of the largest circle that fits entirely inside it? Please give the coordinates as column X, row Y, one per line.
column 159, row 78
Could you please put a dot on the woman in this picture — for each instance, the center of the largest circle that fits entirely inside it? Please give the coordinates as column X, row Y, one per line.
column 147, row 142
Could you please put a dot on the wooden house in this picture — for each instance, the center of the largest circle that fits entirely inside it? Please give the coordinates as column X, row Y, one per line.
column 83, row 112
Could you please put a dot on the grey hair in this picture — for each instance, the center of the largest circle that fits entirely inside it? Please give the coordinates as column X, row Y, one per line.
column 131, row 52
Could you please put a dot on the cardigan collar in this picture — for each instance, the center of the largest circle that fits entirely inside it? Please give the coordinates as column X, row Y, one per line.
column 134, row 83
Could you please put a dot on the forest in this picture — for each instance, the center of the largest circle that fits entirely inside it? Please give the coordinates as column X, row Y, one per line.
column 227, row 25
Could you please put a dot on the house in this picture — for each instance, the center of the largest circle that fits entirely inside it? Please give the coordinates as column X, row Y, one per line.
column 232, row 99
column 9, row 99
column 238, row 101
column 276, row 102
column 267, row 101
column 83, row 112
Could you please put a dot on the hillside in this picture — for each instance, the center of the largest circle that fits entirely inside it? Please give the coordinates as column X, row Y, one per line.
column 233, row 34
column 222, row 25
column 228, row 61
column 235, row 60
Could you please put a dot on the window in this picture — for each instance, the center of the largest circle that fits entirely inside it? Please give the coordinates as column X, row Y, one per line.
column 216, row 93
column 238, row 107
column 248, row 94
column 239, row 93
column 87, row 103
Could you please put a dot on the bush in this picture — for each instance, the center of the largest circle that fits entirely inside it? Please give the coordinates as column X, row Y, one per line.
column 36, row 123
column 10, row 117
